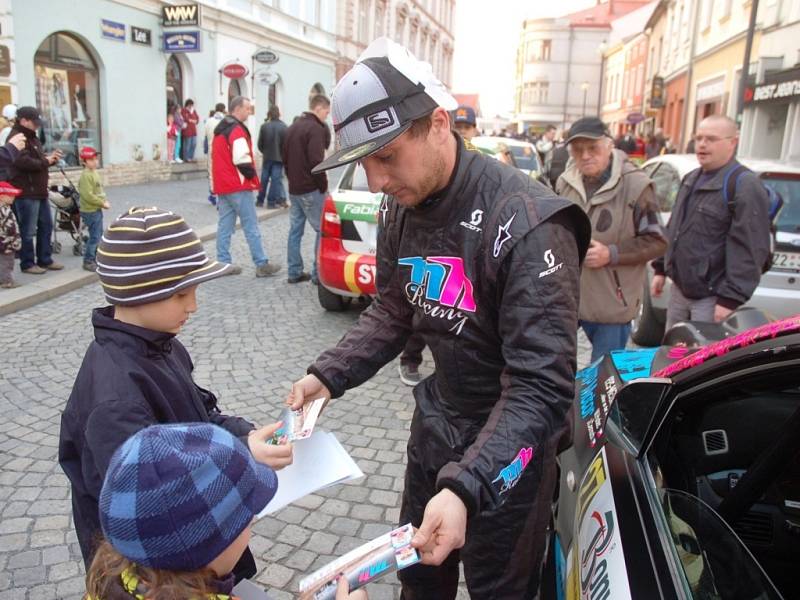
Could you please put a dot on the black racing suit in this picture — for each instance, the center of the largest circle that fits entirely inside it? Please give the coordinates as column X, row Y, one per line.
column 488, row 273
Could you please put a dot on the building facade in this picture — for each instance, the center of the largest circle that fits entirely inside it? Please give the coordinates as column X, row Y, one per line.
column 425, row 27
column 103, row 72
column 559, row 63
column 770, row 125
column 670, row 35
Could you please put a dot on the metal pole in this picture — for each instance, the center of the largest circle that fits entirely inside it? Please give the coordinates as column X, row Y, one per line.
column 689, row 73
column 748, row 48
column 585, row 91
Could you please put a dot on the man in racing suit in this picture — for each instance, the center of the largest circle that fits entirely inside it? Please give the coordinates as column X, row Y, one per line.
column 484, row 263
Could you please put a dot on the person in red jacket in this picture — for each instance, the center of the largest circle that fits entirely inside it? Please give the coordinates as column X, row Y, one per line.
column 232, row 172
column 191, row 118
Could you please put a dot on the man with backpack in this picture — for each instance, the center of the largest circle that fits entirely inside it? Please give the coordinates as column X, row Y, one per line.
column 719, row 232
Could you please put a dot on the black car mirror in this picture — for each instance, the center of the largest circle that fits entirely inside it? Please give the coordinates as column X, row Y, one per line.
column 638, row 409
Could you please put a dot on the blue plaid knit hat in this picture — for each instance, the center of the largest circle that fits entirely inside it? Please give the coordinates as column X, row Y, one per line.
column 176, row 496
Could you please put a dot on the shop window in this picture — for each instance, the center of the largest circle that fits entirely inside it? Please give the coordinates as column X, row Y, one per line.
column 68, row 96
column 235, row 88
column 174, row 82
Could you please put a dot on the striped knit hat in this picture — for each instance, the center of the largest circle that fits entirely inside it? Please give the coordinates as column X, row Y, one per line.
column 149, row 254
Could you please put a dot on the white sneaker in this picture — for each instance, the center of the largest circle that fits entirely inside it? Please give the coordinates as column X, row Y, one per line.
column 178, row 160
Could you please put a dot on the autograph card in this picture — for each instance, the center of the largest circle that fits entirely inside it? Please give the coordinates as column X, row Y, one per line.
column 298, row 424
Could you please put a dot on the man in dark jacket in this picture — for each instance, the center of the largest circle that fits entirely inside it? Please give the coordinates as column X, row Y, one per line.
column 303, row 149
column 136, row 373
column 485, row 263
column 716, row 249
column 270, row 142
column 33, row 211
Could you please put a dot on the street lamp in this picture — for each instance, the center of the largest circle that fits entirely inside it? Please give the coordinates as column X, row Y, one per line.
column 585, row 88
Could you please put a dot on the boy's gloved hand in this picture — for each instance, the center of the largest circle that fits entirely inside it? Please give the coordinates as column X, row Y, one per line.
column 272, row 455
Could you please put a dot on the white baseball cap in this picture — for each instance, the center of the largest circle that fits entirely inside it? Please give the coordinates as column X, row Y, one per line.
column 10, row 111
column 379, row 99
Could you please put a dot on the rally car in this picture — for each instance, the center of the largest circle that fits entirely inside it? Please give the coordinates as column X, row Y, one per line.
column 348, row 239
column 682, row 479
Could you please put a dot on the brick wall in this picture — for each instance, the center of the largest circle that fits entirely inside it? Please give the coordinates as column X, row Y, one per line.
column 139, row 172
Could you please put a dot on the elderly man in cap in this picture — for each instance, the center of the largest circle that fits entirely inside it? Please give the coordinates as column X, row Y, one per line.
column 31, row 174
column 484, row 263
column 626, row 232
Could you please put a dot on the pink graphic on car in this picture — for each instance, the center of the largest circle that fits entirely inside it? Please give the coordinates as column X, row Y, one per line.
column 747, row 338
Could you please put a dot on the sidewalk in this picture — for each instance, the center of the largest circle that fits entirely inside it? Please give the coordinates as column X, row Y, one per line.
column 187, row 198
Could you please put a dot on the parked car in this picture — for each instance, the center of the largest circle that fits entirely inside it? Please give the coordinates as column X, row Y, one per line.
column 525, row 157
column 683, row 475
column 348, row 240
column 778, row 293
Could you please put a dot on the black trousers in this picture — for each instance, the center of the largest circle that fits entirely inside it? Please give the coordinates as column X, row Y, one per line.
column 412, row 353
column 504, row 548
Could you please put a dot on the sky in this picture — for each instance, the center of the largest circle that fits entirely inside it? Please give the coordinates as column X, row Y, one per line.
column 486, row 39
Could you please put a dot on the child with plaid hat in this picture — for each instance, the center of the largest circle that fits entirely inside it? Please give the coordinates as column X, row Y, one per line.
column 10, row 240
column 93, row 201
column 135, row 372
column 176, row 508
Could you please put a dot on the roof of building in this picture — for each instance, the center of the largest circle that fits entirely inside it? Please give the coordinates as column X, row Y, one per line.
column 601, row 15
column 627, row 26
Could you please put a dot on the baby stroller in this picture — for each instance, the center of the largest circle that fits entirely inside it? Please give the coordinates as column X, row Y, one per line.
column 67, row 215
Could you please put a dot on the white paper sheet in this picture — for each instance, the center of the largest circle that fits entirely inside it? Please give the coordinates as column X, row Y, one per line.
column 319, row 462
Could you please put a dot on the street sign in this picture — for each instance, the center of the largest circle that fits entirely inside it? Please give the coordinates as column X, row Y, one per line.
column 265, row 56
column 635, row 117
column 234, row 71
column 266, row 77
column 182, row 41
column 657, row 93
column 180, row 15
column 141, row 36
column 111, row 30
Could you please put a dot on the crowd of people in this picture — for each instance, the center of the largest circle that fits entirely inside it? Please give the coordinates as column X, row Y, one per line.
column 532, row 268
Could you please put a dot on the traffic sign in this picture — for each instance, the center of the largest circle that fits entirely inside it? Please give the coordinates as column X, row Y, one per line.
column 234, row 71
column 265, row 56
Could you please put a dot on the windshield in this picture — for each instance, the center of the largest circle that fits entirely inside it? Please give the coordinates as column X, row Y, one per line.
column 354, row 178
column 715, row 562
column 525, row 157
column 789, row 189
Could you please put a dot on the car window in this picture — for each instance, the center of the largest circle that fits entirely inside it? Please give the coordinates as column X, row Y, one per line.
column 525, row 157
column 667, row 182
column 715, row 562
column 789, row 189
column 354, row 178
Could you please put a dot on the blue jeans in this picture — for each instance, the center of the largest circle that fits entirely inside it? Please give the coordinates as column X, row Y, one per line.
column 94, row 222
column 271, row 169
column 606, row 337
column 304, row 207
column 35, row 221
column 189, row 146
column 230, row 206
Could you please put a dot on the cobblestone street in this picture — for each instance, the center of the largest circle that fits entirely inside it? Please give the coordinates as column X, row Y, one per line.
column 249, row 340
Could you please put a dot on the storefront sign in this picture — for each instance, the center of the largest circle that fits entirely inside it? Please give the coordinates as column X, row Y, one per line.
column 784, row 86
column 182, row 41
column 234, row 71
column 711, row 90
column 180, row 15
column 141, row 36
column 111, row 30
column 266, row 77
column 266, row 57
column 657, row 93
column 635, row 117
column 5, row 61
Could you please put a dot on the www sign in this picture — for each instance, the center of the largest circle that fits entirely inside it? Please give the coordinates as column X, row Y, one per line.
column 180, row 15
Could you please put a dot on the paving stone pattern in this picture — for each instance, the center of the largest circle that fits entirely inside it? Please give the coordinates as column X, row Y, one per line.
column 250, row 339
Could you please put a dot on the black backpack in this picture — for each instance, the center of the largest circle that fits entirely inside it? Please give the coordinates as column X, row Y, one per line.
column 729, row 183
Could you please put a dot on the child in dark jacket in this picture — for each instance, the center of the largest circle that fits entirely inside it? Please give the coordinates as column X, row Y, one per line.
column 136, row 373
